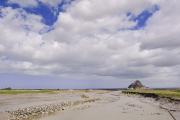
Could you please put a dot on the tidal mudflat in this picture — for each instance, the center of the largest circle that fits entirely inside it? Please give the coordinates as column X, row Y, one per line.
column 85, row 105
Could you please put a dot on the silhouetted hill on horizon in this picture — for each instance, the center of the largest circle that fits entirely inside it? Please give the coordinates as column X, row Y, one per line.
column 136, row 85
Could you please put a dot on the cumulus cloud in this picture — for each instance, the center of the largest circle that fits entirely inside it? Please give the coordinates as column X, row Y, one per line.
column 91, row 39
column 23, row 3
column 34, row 3
column 163, row 27
column 53, row 3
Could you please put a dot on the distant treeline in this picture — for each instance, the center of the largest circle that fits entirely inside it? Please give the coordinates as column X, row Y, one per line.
column 8, row 88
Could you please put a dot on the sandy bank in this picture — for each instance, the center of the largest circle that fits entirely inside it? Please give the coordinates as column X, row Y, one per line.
column 116, row 106
column 112, row 105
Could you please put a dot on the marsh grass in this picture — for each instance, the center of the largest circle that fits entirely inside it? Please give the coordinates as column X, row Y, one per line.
column 175, row 94
column 14, row 92
column 50, row 91
column 178, row 90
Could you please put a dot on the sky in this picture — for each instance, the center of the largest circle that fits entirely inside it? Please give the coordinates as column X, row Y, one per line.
column 89, row 43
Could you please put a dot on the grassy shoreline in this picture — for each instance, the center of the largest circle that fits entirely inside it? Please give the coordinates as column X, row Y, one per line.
column 46, row 91
column 155, row 93
column 16, row 91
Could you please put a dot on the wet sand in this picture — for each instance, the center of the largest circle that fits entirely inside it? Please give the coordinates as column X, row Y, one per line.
column 112, row 105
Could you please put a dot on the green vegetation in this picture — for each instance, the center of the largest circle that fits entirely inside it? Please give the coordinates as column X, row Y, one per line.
column 13, row 92
column 178, row 90
column 50, row 91
column 173, row 94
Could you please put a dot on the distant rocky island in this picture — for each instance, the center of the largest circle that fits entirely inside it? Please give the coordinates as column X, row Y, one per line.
column 136, row 85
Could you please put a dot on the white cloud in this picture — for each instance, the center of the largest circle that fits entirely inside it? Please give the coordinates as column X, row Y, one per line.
column 25, row 3
column 163, row 28
column 34, row 3
column 91, row 39
column 52, row 3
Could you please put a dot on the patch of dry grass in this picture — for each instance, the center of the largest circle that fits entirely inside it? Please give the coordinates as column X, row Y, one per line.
column 175, row 94
column 14, row 92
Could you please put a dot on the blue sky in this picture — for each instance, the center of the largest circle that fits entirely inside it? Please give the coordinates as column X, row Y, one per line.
column 82, row 44
column 49, row 13
column 142, row 17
